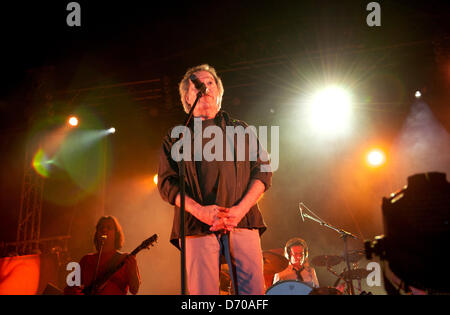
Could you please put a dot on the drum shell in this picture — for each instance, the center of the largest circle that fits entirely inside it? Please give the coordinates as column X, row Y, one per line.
column 289, row 287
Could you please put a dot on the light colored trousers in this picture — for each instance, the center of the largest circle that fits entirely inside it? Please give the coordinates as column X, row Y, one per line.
column 242, row 251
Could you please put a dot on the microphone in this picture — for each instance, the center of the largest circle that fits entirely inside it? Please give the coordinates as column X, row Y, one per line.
column 101, row 240
column 301, row 211
column 199, row 85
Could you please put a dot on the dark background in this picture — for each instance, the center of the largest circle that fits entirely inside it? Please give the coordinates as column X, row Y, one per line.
column 122, row 66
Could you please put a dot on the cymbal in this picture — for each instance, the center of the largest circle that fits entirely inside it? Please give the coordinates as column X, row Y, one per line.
column 274, row 262
column 355, row 274
column 326, row 260
column 355, row 256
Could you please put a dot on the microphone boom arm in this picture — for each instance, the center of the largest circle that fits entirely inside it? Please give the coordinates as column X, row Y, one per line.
column 344, row 236
column 323, row 223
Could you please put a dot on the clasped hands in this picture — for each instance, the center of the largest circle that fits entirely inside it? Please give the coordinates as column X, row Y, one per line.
column 221, row 218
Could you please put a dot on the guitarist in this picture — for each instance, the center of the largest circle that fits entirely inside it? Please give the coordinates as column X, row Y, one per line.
column 108, row 240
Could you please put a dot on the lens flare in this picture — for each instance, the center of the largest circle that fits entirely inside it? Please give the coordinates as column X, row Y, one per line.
column 41, row 163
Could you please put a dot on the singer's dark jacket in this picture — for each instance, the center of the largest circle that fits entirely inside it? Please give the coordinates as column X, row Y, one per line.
column 233, row 181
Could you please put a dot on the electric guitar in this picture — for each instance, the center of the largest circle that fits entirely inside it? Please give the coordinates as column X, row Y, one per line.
column 95, row 287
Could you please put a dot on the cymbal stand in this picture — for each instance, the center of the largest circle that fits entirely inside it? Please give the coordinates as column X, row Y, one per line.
column 343, row 234
column 355, row 266
column 359, row 286
column 339, row 278
column 333, row 272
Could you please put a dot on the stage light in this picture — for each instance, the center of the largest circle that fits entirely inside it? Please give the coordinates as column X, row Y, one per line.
column 376, row 158
column 73, row 121
column 418, row 94
column 112, row 130
column 330, row 110
column 416, row 229
column 155, row 179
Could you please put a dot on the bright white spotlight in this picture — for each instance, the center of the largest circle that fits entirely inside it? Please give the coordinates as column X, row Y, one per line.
column 418, row 94
column 330, row 110
column 73, row 121
column 376, row 157
column 112, row 130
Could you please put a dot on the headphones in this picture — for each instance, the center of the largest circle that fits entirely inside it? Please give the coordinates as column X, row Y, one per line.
column 293, row 242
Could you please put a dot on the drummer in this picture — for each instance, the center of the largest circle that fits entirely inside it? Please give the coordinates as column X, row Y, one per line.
column 296, row 251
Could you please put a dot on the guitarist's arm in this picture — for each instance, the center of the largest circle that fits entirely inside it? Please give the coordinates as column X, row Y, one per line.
column 133, row 273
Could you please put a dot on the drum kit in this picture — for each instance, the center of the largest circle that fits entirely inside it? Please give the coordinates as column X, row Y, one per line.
column 348, row 275
column 275, row 262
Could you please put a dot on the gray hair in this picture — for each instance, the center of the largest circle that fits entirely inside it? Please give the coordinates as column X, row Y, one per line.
column 184, row 84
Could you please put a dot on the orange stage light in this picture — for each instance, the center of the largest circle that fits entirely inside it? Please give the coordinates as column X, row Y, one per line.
column 73, row 121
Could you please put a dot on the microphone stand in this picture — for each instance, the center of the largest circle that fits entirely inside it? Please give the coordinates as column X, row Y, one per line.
column 182, row 205
column 102, row 242
column 344, row 235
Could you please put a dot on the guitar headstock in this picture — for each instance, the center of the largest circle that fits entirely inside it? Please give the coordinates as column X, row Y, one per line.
column 150, row 241
column 147, row 243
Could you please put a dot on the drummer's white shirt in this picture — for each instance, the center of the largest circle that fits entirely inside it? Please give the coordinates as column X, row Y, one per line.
column 308, row 274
